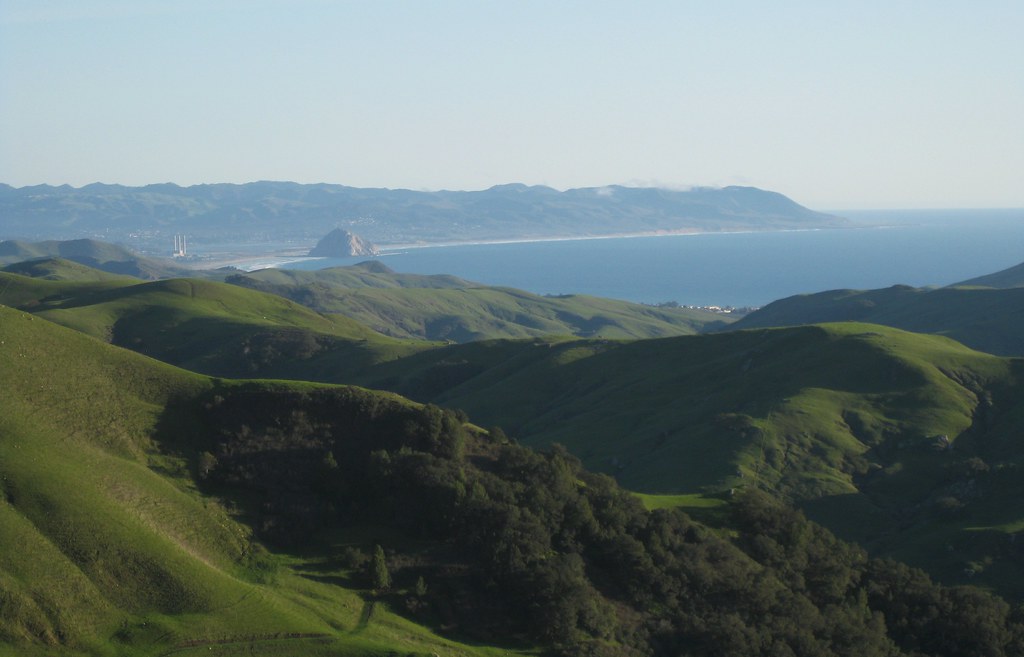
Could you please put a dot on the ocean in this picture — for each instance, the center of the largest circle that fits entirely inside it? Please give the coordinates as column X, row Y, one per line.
column 883, row 248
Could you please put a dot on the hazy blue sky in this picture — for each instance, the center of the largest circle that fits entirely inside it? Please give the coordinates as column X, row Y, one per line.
column 839, row 105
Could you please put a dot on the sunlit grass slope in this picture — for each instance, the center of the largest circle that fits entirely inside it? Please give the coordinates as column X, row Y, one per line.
column 628, row 405
column 32, row 293
column 107, row 547
column 226, row 330
column 874, row 430
column 449, row 308
column 61, row 269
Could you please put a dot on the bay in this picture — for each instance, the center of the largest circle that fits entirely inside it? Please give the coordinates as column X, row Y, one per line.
column 883, row 248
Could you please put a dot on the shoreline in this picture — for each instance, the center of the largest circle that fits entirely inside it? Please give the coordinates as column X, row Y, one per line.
column 275, row 261
column 684, row 232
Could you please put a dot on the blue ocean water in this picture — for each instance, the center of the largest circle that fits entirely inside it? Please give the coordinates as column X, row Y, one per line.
column 910, row 247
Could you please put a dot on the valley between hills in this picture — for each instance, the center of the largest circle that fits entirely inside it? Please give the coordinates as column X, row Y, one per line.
column 360, row 462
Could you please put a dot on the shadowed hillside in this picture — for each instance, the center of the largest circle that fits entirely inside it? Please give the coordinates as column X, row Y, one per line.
column 1011, row 277
column 448, row 308
column 212, row 327
column 990, row 320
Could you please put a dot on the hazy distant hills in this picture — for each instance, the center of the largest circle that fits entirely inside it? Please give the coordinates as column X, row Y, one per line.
column 285, row 211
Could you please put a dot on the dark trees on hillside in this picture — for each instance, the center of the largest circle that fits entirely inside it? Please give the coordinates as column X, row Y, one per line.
column 529, row 545
column 380, row 576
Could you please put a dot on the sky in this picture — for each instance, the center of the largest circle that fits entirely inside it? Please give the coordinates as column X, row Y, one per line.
column 839, row 105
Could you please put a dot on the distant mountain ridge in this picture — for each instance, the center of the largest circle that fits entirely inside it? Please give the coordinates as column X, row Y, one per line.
column 286, row 211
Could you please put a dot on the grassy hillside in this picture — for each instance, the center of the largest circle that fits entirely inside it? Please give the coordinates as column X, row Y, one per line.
column 107, row 547
column 107, row 257
column 448, row 308
column 848, row 420
column 990, row 320
column 31, row 292
column 136, row 499
column 62, row 269
column 220, row 329
column 372, row 273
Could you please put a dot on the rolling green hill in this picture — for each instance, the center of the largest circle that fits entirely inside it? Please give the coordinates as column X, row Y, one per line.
column 92, row 253
column 448, row 308
column 990, row 320
column 845, row 419
column 62, row 269
column 136, row 500
column 212, row 327
column 107, row 547
column 35, row 286
column 903, row 442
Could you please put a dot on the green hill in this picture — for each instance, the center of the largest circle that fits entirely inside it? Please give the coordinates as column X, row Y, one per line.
column 62, row 269
column 107, row 547
column 35, row 286
column 106, row 257
column 847, row 420
column 990, row 320
column 448, row 308
column 1011, row 277
column 813, row 414
column 215, row 328
column 136, row 500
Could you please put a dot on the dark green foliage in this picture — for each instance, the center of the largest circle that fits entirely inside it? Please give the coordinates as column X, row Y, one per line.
column 379, row 574
column 528, row 545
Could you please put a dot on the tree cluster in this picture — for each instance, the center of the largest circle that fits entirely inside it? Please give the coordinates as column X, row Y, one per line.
column 532, row 547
